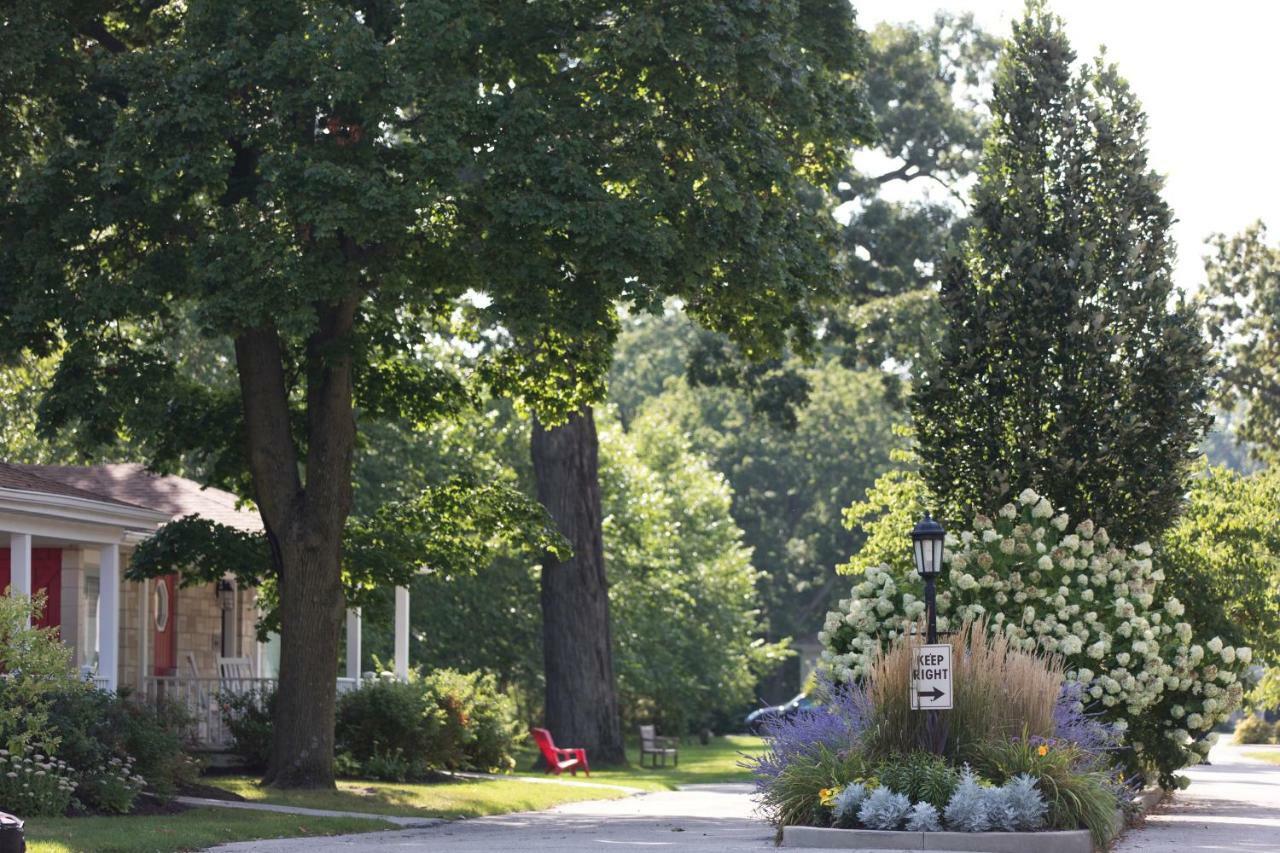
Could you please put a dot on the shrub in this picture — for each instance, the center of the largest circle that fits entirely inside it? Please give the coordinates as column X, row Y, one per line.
column 1254, row 729
column 834, row 724
column 443, row 720
column 998, row 690
column 34, row 665
column 848, row 802
column 111, row 787
column 1076, row 792
column 387, row 718
column 100, row 729
column 480, row 719
column 883, row 809
column 1075, row 595
column 922, row 777
column 248, row 717
column 923, row 817
column 967, row 810
column 1026, row 806
column 33, row 784
column 795, row 794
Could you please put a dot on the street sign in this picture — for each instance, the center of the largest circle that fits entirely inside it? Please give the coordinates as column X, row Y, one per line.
column 931, row 678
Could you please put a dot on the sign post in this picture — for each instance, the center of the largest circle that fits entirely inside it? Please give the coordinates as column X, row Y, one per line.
column 931, row 678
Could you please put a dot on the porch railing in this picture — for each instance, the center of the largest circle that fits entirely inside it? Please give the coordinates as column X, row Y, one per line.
column 208, row 701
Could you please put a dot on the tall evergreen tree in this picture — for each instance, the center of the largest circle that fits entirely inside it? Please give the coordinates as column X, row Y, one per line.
column 1068, row 363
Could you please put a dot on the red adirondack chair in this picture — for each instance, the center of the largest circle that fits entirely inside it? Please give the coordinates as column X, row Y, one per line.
column 560, row 760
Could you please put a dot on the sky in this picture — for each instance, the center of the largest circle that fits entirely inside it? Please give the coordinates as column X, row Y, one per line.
column 1208, row 75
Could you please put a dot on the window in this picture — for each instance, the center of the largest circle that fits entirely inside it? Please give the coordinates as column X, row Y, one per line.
column 160, row 605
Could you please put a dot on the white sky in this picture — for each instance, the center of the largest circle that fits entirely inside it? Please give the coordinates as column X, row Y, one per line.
column 1208, row 75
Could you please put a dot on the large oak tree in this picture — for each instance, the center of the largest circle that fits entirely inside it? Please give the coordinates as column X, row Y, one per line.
column 312, row 189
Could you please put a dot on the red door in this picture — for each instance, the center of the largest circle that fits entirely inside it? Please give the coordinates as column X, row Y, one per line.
column 46, row 576
column 164, row 617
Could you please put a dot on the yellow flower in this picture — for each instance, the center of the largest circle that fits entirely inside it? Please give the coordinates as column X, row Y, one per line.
column 827, row 796
column 1042, row 750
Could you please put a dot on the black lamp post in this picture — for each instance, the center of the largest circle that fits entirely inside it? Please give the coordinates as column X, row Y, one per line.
column 927, row 537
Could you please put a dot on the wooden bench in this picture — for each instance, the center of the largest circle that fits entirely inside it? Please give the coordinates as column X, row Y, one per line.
column 657, row 746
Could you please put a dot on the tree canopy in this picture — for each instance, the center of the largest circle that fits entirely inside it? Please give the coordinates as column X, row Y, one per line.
column 1243, row 297
column 1069, row 364
column 312, row 189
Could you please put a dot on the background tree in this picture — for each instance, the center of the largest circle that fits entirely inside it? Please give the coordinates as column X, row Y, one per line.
column 791, row 470
column 684, row 608
column 1243, row 297
column 789, row 483
column 907, row 198
column 689, row 645
column 1068, row 365
column 1222, row 559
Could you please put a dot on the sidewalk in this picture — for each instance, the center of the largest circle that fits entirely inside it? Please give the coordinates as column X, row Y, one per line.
column 1233, row 804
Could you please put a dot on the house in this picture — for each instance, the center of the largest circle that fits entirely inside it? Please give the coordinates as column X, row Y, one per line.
column 69, row 532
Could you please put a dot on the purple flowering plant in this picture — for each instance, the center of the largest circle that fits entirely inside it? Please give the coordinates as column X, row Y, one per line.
column 833, row 724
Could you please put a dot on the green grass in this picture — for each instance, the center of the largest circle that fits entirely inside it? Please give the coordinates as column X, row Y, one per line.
column 1271, row 757
column 190, row 830
column 717, row 762
column 414, row 799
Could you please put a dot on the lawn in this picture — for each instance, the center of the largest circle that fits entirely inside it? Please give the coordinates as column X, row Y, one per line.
column 717, row 762
column 465, row 798
column 1270, row 756
column 189, row 830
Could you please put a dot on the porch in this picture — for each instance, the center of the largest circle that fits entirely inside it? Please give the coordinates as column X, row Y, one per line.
column 204, row 697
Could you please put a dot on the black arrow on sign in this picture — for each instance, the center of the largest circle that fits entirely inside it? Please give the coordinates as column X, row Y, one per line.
column 934, row 694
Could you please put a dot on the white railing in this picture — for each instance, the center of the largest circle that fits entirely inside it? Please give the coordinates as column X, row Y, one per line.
column 208, row 701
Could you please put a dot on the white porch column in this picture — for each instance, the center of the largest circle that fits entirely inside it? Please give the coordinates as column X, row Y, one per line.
column 353, row 643
column 20, row 563
column 109, row 616
column 402, row 633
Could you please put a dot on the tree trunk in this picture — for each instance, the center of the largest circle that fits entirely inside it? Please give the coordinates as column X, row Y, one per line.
column 582, row 700
column 311, row 614
column 305, row 525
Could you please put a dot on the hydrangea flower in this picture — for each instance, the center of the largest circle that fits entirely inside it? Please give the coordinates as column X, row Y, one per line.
column 1073, row 592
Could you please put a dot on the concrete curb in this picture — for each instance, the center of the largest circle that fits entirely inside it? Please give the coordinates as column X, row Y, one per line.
column 1056, row 841
column 397, row 820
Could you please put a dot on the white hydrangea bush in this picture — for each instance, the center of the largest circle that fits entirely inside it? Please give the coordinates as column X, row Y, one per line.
column 1068, row 591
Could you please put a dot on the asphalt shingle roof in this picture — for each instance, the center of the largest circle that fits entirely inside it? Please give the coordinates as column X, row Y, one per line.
column 131, row 484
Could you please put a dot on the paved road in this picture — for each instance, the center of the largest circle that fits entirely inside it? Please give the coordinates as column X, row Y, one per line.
column 702, row 818
column 1233, row 804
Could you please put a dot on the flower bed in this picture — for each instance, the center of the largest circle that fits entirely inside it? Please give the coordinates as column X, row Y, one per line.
column 1014, row 755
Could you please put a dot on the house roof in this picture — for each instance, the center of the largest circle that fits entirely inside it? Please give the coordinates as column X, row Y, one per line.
column 132, row 484
column 24, row 478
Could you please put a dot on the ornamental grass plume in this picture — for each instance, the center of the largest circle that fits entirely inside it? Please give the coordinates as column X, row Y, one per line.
column 999, row 692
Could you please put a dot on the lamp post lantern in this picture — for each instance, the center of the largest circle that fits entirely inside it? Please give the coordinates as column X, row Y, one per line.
column 927, row 538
